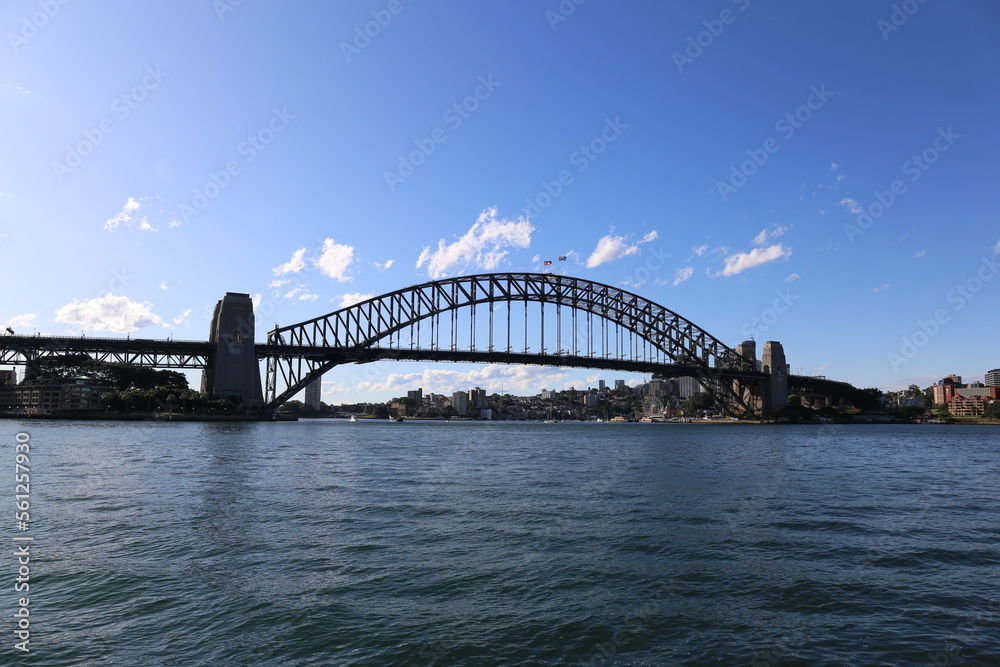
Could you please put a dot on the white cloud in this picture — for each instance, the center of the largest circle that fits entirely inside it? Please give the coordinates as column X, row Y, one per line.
column 682, row 275
column 652, row 236
column 742, row 261
column 275, row 284
column 766, row 234
column 25, row 321
column 385, row 265
column 883, row 287
column 920, row 253
column 483, row 247
column 301, row 293
column 834, row 166
column 183, row 318
column 175, row 223
column 851, row 205
column 128, row 217
column 823, row 367
column 256, row 299
column 353, row 298
column 108, row 313
column 996, row 248
column 163, row 286
column 335, row 260
column 700, row 250
column 491, row 377
column 610, row 248
column 294, row 265
column 792, row 278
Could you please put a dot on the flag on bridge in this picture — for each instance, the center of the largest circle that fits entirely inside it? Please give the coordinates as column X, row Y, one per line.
column 562, row 258
column 548, row 263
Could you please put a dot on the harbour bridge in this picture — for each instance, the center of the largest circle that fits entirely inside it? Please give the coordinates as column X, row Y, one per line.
column 512, row 318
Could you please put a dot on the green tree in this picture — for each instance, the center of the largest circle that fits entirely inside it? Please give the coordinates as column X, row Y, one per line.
column 696, row 402
column 992, row 410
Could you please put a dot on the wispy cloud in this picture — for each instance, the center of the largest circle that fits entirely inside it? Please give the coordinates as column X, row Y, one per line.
column 834, row 166
column 996, row 248
column 792, row 278
column 490, row 377
column 129, row 217
column 384, row 265
column 883, row 287
column 301, row 293
column 920, row 253
column 294, row 265
column 352, row 298
column 483, row 247
column 766, row 234
column 118, row 314
column 741, row 261
column 682, row 275
column 25, row 321
column 851, row 205
column 700, row 250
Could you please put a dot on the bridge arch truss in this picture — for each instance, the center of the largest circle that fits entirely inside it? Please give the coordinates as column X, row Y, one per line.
column 535, row 318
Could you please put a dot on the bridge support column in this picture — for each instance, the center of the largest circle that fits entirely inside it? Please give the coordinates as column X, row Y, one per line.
column 233, row 372
column 776, row 385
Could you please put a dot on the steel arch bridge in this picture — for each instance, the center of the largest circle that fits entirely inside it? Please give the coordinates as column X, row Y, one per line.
column 527, row 318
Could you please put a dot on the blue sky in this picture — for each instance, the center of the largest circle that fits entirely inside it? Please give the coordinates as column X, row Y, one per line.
column 822, row 173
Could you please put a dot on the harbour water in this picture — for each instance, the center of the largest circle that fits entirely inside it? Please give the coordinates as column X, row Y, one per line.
column 326, row 542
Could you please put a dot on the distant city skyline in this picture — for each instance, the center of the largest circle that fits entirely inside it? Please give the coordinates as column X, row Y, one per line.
column 833, row 191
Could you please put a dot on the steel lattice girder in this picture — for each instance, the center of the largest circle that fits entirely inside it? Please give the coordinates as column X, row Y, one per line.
column 362, row 325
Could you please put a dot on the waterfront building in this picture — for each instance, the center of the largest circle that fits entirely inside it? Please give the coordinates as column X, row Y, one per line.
column 78, row 394
column 969, row 406
column 619, row 384
column 951, row 386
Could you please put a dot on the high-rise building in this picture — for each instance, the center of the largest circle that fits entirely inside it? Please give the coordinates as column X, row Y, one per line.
column 477, row 399
column 313, row 392
column 688, row 386
column 619, row 384
column 416, row 396
column 601, row 385
column 993, row 378
column 460, row 402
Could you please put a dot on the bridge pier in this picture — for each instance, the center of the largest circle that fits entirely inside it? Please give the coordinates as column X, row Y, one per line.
column 233, row 371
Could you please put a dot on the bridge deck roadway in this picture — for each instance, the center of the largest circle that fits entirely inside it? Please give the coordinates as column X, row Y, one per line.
column 195, row 354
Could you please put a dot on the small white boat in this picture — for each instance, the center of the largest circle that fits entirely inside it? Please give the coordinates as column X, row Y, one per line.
column 352, row 419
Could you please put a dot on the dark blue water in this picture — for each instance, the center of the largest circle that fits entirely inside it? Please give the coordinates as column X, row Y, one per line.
column 331, row 543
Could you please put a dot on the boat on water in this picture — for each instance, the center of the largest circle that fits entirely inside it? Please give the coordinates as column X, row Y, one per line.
column 352, row 419
column 395, row 419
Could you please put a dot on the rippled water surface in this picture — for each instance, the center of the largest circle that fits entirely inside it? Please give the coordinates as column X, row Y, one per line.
column 429, row 543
